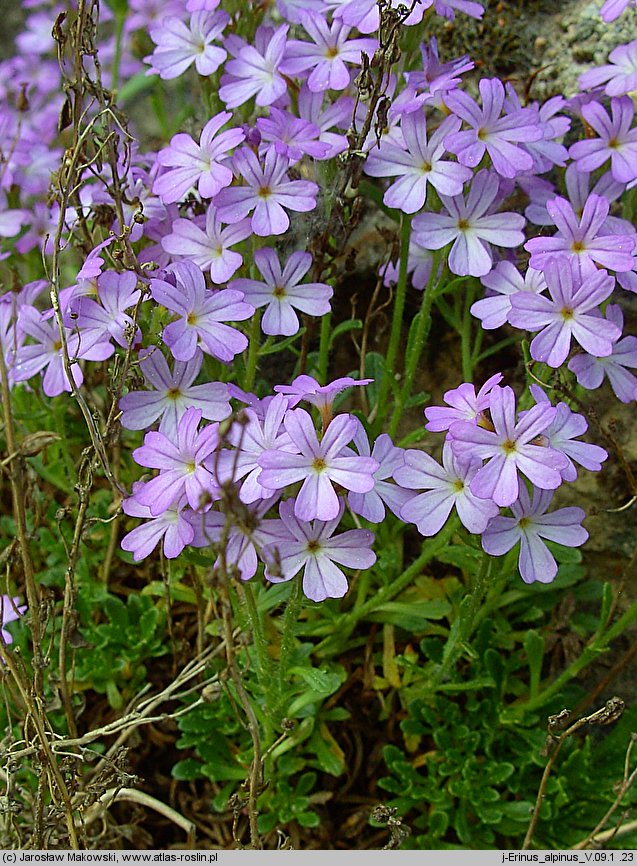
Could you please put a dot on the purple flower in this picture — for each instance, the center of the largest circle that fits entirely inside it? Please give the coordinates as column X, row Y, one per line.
column 201, row 314
column 173, row 394
column 529, row 525
column 290, row 136
column 506, row 281
column 245, row 541
column 590, row 371
column 371, row 505
column 11, row 609
column 419, row 265
column 470, row 228
column 561, row 434
column 617, row 141
column 620, row 75
column 171, row 525
column 209, row 247
column 184, row 464
column 327, row 55
column 282, row 291
column 464, row 403
column 322, row 396
column 445, row 486
column 571, row 311
column 99, row 322
column 314, row 548
column 179, row 45
column 509, row 448
column 200, row 165
column 318, row 464
column 577, row 190
column 337, row 113
column 255, row 70
column 612, row 9
column 580, row 241
column 435, row 77
column 491, row 132
column 268, row 192
column 46, row 352
column 417, row 163
column 251, row 436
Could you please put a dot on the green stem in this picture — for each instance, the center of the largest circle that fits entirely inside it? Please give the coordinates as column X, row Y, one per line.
column 290, row 619
column 253, row 352
column 324, row 347
column 465, row 336
column 466, row 620
column 263, row 666
column 389, row 377
column 416, row 343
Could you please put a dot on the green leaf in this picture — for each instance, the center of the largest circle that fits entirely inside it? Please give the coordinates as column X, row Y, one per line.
column 187, row 770
column 413, row 616
column 534, row 647
column 282, row 344
column 343, row 328
column 134, row 87
column 374, row 369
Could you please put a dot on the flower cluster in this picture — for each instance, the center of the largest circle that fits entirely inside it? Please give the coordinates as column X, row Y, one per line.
column 205, row 219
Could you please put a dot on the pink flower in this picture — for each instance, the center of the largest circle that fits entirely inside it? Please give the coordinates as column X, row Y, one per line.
column 179, row 45
column 199, row 165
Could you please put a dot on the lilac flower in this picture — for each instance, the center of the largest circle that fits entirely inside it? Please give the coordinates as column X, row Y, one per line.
column 491, row 132
column 509, row 448
column 282, row 291
column 245, row 541
column 314, row 548
column 10, row 610
column 620, row 75
column 506, row 280
column 290, row 136
column 208, row 247
column 435, row 77
column 561, row 433
column 612, row 9
column 322, row 396
column 46, row 352
column 464, row 403
column 251, row 436
column 201, row 315
column 578, row 190
column 184, row 464
column 471, row 229
column 99, row 322
column 192, row 164
column 269, row 191
column 318, row 465
column 255, row 70
column 417, row 163
column 529, row 525
column 580, row 241
column 173, row 393
column 590, row 371
column 171, row 526
column 617, row 141
column 371, row 505
column 337, row 113
column 327, row 55
column 179, row 45
column 445, row 486
column 546, row 151
column 571, row 311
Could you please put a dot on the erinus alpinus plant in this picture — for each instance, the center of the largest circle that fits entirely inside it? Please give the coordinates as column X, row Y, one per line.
column 314, row 345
